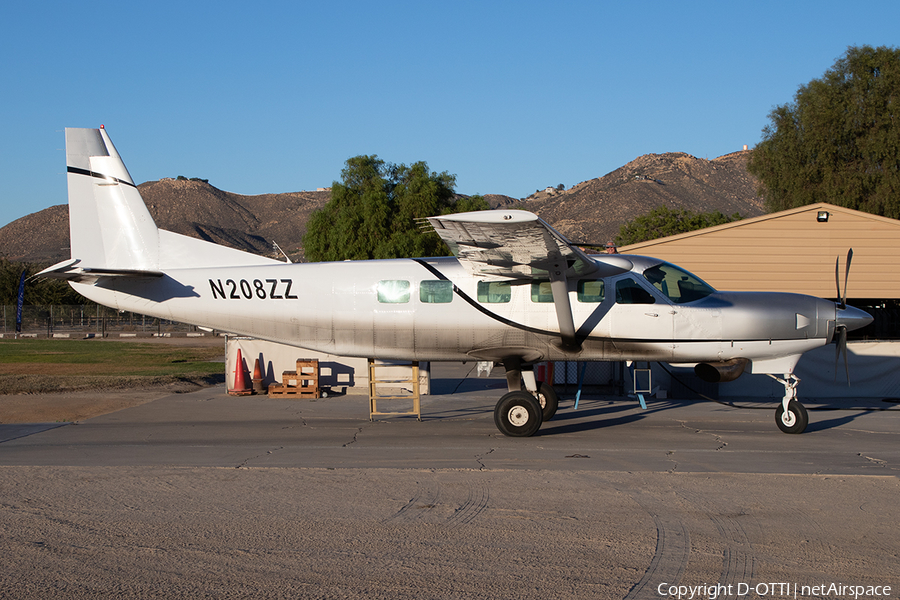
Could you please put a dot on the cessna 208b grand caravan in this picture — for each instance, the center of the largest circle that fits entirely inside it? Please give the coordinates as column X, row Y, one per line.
column 516, row 292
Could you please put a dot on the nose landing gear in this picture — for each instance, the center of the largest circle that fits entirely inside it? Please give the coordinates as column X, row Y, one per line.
column 790, row 416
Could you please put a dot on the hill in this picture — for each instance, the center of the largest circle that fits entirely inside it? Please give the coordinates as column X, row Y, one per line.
column 592, row 211
column 189, row 207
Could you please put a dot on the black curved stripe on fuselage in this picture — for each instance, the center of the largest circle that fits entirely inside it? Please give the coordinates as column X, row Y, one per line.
column 477, row 306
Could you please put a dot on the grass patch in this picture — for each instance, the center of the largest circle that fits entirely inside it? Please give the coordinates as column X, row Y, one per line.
column 37, row 366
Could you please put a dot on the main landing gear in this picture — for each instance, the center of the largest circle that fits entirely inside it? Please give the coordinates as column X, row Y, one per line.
column 790, row 416
column 520, row 413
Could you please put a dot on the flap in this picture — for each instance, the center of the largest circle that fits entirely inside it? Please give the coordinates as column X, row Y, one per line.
column 520, row 245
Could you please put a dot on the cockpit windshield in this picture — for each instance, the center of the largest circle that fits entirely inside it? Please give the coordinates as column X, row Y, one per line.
column 676, row 284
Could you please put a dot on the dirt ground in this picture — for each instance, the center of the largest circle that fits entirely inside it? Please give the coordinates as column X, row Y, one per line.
column 76, row 406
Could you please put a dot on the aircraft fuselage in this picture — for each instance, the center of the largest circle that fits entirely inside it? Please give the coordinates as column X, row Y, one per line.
column 434, row 309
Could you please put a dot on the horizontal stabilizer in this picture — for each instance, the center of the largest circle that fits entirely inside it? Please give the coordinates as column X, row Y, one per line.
column 69, row 270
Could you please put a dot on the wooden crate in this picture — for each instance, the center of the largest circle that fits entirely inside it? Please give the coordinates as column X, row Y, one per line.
column 301, row 383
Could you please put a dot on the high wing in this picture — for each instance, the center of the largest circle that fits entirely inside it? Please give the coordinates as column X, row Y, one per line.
column 519, row 245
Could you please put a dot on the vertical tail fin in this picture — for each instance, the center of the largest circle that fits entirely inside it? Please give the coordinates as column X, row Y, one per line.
column 109, row 223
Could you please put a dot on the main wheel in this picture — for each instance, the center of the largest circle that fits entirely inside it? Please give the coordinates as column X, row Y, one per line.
column 547, row 398
column 518, row 414
column 794, row 420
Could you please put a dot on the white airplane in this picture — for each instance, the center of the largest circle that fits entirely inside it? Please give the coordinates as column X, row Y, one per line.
column 517, row 292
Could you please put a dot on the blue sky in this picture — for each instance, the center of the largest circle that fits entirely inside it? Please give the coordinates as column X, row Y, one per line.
column 509, row 96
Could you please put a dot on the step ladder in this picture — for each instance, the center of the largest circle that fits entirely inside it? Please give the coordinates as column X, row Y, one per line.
column 302, row 383
column 394, row 382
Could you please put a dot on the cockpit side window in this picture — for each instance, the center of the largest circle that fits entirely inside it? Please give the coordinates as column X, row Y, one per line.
column 590, row 290
column 676, row 284
column 629, row 291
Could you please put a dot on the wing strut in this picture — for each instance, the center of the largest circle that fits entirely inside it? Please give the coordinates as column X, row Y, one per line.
column 560, row 289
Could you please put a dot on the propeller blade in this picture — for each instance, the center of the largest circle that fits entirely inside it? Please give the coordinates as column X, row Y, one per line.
column 837, row 350
column 843, row 345
column 837, row 278
column 840, row 346
column 846, row 277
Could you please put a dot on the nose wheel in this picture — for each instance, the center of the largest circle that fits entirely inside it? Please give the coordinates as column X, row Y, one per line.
column 792, row 420
column 790, row 416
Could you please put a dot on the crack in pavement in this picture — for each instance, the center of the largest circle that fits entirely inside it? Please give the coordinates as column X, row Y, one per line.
column 669, row 455
column 355, row 437
column 722, row 444
column 877, row 461
column 246, row 460
column 479, row 457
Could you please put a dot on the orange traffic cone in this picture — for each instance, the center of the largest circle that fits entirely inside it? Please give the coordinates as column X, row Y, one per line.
column 257, row 379
column 240, row 380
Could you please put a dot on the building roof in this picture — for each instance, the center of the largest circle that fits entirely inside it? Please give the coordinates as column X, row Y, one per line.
column 791, row 251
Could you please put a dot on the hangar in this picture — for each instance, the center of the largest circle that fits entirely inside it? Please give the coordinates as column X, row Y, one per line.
column 795, row 251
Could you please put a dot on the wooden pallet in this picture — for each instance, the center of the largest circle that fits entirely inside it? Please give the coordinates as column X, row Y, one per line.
column 301, row 383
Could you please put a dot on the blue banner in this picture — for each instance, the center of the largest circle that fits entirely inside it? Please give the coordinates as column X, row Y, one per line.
column 19, row 302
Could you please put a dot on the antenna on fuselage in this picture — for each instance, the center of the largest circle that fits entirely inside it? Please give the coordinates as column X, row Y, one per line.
column 277, row 247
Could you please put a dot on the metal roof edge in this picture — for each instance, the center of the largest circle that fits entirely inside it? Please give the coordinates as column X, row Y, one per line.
column 630, row 249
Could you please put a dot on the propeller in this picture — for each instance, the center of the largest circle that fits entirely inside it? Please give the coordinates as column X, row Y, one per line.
column 841, row 329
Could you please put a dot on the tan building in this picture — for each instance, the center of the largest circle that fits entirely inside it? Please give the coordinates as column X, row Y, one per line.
column 791, row 251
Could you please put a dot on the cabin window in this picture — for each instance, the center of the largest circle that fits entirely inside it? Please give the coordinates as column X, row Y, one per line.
column 629, row 291
column 492, row 292
column 591, row 290
column 540, row 291
column 393, row 291
column 436, row 292
column 676, row 284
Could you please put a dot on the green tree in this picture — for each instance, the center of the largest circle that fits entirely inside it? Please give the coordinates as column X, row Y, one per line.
column 374, row 211
column 839, row 141
column 663, row 222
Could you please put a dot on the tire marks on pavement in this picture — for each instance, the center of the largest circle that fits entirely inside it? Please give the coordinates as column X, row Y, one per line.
column 430, row 504
column 673, row 547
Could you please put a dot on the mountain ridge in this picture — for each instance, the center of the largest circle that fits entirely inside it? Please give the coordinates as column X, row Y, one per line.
column 591, row 211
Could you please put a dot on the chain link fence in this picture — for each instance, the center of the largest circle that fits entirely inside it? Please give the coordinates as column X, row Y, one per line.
column 86, row 320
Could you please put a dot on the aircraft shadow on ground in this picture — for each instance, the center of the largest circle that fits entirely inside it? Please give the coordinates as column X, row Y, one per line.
column 844, row 416
column 845, row 411
column 598, row 417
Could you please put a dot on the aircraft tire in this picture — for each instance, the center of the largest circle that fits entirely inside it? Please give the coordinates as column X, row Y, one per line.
column 547, row 398
column 795, row 420
column 518, row 414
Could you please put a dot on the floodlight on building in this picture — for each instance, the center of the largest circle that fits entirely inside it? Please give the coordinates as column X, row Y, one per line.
column 822, row 217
